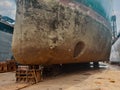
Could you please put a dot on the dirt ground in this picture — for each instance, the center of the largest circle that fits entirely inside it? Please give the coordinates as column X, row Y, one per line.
column 107, row 77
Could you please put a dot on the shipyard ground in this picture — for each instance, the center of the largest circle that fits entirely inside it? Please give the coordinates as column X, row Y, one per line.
column 107, row 77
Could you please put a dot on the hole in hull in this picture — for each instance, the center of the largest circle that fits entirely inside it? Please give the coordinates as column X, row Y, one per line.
column 78, row 49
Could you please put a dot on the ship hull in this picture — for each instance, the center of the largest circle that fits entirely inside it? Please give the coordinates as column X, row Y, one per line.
column 59, row 32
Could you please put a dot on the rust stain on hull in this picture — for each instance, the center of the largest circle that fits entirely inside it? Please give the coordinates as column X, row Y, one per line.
column 51, row 32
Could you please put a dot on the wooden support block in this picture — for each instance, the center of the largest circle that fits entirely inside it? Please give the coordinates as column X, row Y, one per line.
column 26, row 74
column 3, row 67
column 7, row 66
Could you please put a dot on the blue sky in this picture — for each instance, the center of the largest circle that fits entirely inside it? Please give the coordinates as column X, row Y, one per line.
column 8, row 8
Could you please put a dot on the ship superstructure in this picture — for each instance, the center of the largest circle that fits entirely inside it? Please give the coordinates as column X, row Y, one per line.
column 6, row 31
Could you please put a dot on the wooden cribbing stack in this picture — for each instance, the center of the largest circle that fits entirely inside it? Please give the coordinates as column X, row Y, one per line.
column 3, row 67
column 7, row 66
column 28, row 74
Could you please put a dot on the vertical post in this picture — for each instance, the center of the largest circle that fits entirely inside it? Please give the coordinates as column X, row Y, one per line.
column 114, row 27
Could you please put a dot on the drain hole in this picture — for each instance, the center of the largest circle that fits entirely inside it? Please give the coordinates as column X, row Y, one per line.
column 78, row 48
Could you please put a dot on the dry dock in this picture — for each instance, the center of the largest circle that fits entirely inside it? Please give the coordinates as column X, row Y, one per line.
column 105, row 78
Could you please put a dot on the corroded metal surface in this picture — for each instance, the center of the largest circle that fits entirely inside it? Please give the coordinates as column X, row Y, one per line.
column 59, row 31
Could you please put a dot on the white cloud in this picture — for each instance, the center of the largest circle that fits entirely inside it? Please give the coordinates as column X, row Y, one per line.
column 7, row 4
column 8, row 8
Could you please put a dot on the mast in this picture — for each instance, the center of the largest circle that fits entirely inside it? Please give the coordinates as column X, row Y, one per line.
column 114, row 26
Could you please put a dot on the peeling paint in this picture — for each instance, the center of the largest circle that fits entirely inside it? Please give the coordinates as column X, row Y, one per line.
column 51, row 30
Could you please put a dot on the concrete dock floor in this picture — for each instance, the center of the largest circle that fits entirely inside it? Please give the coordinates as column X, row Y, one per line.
column 105, row 78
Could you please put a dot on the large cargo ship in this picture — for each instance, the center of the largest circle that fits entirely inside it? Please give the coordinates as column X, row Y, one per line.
column 6, row 31
column 62, row 31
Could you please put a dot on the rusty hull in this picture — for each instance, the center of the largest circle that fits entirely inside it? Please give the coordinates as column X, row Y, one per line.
column 59, row 32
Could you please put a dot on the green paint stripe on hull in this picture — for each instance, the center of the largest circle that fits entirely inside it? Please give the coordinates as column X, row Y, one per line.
column 103, row 7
